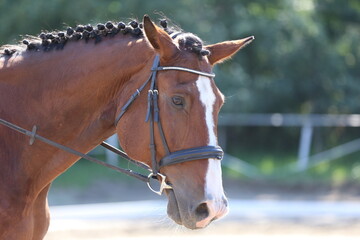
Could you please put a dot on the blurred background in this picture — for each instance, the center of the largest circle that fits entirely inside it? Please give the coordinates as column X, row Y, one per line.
column 290, row 125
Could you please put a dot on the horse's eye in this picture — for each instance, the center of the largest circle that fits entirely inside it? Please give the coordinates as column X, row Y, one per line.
column 178, row 101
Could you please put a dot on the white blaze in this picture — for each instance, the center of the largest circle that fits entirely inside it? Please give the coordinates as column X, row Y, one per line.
column 213, row 182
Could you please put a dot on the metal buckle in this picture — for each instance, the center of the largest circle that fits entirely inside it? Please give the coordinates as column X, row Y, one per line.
column 163, row 184
column 32, row 135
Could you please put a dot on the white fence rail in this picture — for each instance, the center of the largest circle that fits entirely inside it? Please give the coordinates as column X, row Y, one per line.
column 290, row 120
column 306, row 123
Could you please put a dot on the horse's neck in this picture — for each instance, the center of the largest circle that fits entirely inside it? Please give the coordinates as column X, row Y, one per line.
column 84, row 89
column 71, row 96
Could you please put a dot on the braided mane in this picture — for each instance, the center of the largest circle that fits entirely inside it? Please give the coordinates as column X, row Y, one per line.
column 49, row 41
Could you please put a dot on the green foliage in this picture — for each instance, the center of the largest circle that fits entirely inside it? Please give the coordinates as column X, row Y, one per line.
column 280, row 167
column 305, row 58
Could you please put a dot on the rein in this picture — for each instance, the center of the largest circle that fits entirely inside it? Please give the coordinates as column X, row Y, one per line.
column 152, row 117
column 33, row 135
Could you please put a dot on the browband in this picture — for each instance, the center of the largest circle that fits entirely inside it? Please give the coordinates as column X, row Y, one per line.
column 211, row 75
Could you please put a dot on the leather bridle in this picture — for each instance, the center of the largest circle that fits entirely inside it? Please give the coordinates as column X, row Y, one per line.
column 152, row 116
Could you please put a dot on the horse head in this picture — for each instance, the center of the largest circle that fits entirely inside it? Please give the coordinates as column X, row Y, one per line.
column 189, row 105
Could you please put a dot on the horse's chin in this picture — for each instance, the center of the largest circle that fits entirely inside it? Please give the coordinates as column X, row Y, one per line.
column 173, row 210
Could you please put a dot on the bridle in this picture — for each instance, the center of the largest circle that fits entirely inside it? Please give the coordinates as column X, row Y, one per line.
column 152, row 116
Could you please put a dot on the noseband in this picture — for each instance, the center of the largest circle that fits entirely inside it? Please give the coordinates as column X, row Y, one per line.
column 152, row 116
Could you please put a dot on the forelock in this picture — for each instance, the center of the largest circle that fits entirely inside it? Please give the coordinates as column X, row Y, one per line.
column 191, row 43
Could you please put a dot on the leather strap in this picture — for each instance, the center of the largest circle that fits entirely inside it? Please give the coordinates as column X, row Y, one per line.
column 124, row 155
column 73, row 151
column 192, row 154
column 130, row 101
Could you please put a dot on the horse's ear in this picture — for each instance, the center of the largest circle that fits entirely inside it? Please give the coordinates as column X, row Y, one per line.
column 219, row 52
column 159, row 39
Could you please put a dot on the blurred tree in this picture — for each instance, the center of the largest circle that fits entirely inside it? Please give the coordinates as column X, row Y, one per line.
column 305, row 58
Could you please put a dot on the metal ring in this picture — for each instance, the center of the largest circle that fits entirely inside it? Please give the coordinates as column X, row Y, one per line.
column 163, row 184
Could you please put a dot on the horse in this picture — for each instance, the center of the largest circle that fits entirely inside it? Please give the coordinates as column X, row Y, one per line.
column 73, row 86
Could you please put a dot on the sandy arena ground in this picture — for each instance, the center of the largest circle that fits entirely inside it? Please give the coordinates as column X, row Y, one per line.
column 257, row 212
column 248, row 220
column 278, row 230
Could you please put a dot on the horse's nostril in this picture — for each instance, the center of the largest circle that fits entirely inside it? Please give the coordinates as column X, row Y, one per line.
column 225, row 201
column 202, row 211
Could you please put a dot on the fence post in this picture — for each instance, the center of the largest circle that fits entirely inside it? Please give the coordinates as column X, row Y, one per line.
column 111, row 157
column 305, row 146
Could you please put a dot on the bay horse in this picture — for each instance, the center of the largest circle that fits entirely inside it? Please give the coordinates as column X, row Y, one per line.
column 73, row 90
